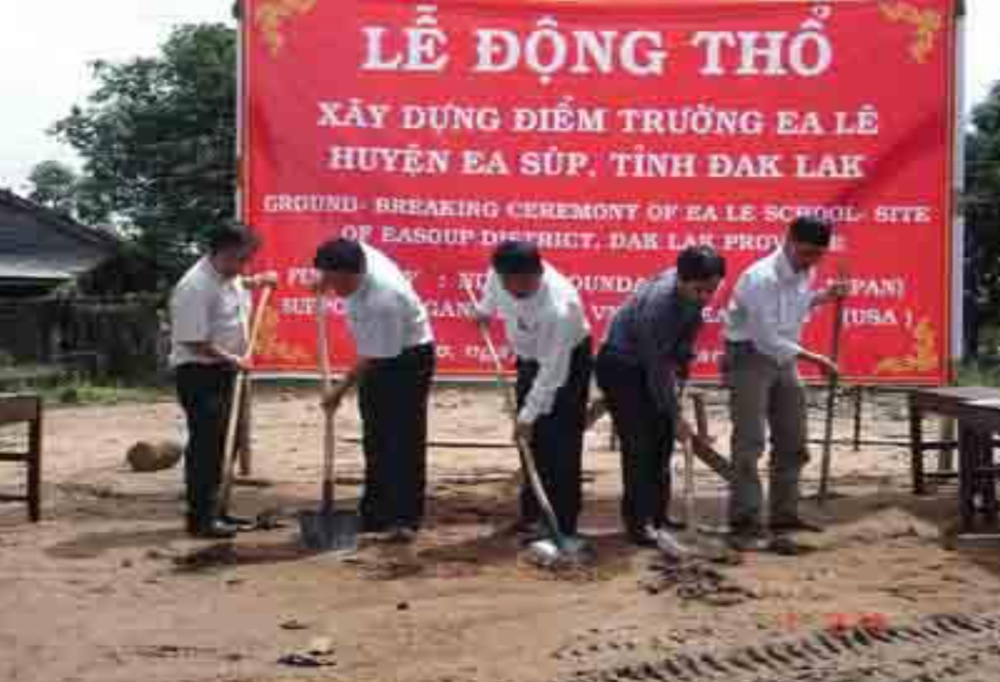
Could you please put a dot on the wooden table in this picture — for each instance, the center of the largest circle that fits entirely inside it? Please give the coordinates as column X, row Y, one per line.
column 25, row 409
column 977, row 426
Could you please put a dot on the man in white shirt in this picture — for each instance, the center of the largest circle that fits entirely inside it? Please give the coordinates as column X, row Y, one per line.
column 548, row 330
column 393, row 372
column 209, row 314
column 770, row 305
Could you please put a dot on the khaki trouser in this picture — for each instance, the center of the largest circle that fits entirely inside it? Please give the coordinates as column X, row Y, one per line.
column 764, row 396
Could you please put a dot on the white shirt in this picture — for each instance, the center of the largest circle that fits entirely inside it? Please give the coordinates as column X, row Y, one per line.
column 770, row 304
column 205, row 307
column 385, row 315
column 545, row 327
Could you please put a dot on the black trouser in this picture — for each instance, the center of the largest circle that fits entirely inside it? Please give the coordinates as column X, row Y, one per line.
column 392, row 398
column 205, row 393
column 647, row 441
column 557, row 440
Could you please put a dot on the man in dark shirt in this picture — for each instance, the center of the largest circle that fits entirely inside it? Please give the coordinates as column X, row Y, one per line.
column 649, row 346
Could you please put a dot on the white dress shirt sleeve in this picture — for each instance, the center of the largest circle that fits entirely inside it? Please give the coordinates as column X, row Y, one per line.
column 489, row 303
column 763, row 319
column 190, row 315
column 557, row 338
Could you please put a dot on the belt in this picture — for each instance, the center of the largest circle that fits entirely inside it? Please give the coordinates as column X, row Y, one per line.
column 420, row 348
column 583, row 345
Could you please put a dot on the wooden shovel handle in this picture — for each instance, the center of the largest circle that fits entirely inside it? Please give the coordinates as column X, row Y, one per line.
column 236, row 400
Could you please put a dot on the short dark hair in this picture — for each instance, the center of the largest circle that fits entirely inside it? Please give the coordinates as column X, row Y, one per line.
column 340, row 255
column 517, row 258
column 234, row 236
column 700, row 262
column 811, row 230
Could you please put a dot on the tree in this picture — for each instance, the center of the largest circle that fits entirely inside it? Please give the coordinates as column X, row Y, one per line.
column 54, row 185
column 982, row 182
column 157, row 137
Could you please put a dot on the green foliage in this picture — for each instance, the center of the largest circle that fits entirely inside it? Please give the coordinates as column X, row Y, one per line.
column 82, row 392
column 157, row 137
column 54, row 186
column 979, row 374
column 59, row 387
column 982, row 164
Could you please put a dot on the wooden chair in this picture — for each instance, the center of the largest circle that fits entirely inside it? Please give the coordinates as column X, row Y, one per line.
column 21, row 409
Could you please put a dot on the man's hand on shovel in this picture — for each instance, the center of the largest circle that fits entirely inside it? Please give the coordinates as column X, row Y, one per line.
column 268, row 280
column 825, row 364
column 243, row 363
column 838, row 290
column 523, row 431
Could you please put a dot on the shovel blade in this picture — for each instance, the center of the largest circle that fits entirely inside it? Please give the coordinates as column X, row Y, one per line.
column 672, row 546
column 329, row 531
column 571, row 551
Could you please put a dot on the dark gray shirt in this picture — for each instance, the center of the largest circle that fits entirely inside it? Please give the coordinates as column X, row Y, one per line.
column 655, row 331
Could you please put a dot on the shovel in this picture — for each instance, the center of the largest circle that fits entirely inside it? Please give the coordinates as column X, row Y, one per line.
column 691, row 545
column 328, row 529
column 669, row 545
column 559, row 549
column 824, row 491
column 235, row 405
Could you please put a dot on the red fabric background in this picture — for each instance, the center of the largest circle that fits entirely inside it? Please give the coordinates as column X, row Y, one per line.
column 875, row 46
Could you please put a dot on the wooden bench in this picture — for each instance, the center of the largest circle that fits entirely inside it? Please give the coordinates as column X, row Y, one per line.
column 976, row 409
column 25, row 409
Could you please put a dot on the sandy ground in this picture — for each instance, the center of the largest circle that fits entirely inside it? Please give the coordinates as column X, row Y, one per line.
column 108, row 588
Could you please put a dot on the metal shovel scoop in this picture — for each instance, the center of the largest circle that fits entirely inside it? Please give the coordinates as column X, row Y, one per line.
column 328, row 529
column 691, row 545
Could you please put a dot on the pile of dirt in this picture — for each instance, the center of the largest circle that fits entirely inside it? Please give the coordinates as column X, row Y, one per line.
column 695, row 580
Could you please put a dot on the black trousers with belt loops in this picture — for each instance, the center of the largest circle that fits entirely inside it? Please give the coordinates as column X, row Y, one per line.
column 205, row 394
column 392, row 398
column 647, row 442
column 557, row 440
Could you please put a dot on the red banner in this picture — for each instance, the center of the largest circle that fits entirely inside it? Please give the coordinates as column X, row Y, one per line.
column 614, row 134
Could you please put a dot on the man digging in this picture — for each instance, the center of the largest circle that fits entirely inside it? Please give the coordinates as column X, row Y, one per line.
column 546, row 326
column 210, row 316
column 393, row 372
column 771, row 303
column 647, row 351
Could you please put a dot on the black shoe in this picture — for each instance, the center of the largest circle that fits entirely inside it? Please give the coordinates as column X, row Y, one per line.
column 402, row 535
column 643, row 537
column 238, row 523
column 370, row 526
column 795, row 524
column 214, row 530
column 747, row 537
column 785, row 546
column 673, row 524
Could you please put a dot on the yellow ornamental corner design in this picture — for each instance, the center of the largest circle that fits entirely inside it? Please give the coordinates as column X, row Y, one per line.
column 924, row 357
column 272, row 16
column 269, row 346
column 926, row 24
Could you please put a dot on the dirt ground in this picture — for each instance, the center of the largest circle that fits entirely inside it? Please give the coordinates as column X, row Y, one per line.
column 108, row 588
